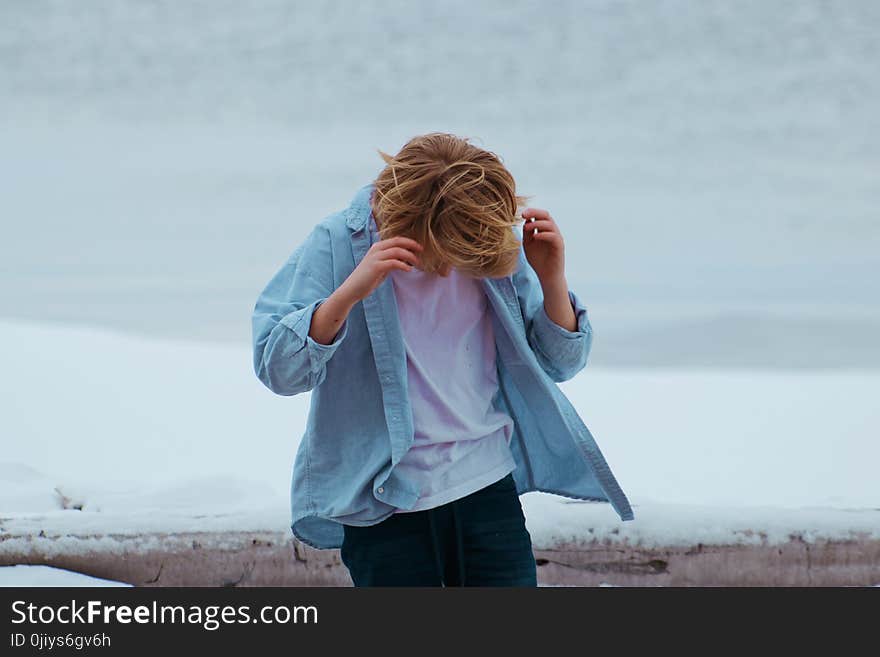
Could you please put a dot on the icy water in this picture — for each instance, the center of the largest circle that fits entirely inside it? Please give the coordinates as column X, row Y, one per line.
column 715, row 166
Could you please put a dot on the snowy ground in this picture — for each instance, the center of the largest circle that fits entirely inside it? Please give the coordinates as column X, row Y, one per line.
column 47, row 576
column 109, row 434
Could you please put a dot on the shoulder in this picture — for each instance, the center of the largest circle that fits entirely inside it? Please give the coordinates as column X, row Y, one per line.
column 329, row 240
column 337, row 226
column 334, row 226
column 322, row 236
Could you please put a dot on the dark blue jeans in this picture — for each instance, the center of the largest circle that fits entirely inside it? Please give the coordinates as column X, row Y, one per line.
column 477, row 540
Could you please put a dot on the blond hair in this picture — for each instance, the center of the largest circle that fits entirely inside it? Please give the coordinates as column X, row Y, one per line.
column 457, row 200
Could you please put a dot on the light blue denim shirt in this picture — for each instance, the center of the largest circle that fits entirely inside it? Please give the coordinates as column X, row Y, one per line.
column 360, row 422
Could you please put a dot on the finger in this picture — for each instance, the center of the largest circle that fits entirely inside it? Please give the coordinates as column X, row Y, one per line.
column 541, row 224
column 547, row 237
column 399, row 253
column 532, row 228
column 537, row 213
column 388, row 265
column 405, row 242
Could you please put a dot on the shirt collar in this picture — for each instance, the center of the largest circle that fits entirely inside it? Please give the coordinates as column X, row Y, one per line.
column 359, row 211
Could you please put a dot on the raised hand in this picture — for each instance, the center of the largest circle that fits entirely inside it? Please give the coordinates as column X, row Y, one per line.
column 545, row 250
column 383, row 256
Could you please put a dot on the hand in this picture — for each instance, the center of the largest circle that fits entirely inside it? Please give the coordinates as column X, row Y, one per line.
column 545, row 250
column 383, row 256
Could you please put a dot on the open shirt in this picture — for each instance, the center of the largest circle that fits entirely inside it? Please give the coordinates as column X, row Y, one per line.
column 360, row 421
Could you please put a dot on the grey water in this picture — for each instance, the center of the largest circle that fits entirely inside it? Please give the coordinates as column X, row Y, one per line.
column 714, row 166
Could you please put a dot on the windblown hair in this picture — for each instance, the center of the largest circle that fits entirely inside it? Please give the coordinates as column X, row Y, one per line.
column 457, row 200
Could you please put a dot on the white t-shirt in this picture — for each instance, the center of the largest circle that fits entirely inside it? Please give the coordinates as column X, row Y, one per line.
column 461, row 442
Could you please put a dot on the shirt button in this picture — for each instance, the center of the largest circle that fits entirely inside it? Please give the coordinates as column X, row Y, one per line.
column 380, row 489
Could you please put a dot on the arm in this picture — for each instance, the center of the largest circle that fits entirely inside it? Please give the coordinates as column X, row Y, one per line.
column 330, row 316
column 561, row 352
column 557, row 326
column 287, row 358
column 299, row 320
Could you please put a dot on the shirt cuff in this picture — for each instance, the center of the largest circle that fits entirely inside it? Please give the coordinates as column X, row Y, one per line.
column 547, row 328
column 300, row 321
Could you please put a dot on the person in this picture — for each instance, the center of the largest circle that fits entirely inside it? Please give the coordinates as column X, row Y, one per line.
column 431, row 327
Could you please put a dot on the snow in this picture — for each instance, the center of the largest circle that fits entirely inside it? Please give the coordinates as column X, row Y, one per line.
column 108, row 435
column 47, row 576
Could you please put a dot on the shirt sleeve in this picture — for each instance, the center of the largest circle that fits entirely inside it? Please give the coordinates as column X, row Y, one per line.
column 286, row 359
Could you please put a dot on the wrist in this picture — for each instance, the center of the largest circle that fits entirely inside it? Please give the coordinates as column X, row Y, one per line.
column 554, row 285
column 345, row 295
